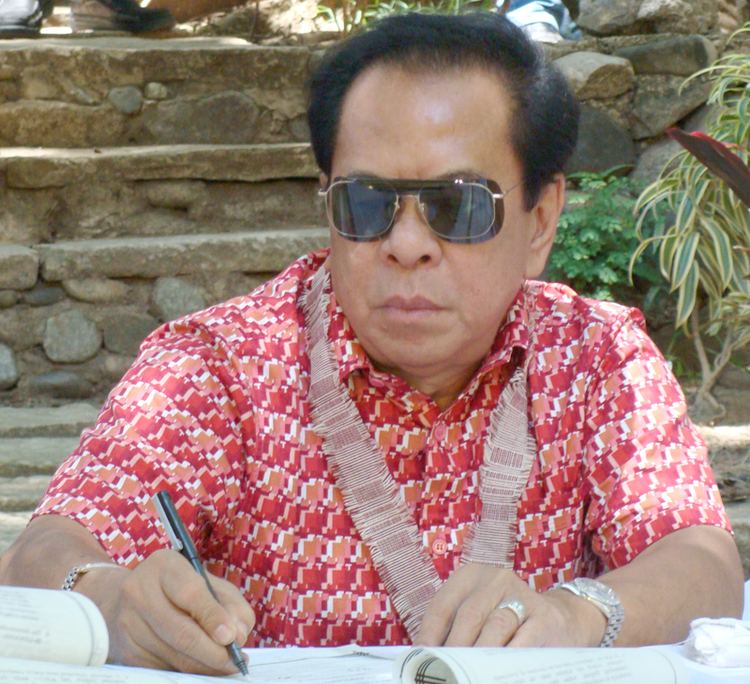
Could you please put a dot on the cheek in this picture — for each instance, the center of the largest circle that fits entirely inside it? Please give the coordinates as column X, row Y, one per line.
column 351, row 265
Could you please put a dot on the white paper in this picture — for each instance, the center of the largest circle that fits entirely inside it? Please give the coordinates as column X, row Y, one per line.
column 44, row 624
column 541, row 666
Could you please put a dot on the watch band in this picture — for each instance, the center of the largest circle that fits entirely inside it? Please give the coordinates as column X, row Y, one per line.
column 605, row 599
column 77, row 570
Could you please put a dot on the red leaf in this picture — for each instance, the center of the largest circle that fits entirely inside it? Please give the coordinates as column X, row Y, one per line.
column 718, row 158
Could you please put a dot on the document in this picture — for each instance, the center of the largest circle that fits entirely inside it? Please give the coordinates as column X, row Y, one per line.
column 56, row 637
column 44, row 624
column 539, row 666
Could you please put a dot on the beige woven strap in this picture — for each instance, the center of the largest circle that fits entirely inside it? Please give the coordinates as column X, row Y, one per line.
column 508, row 457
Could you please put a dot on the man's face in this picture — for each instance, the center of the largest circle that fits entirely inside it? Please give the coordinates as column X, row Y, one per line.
column 426, row 309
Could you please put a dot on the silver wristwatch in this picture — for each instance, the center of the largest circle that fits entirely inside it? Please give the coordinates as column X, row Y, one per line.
column 605, row 599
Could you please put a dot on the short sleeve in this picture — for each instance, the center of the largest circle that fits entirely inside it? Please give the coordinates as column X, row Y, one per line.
column 646, row 465
column 172, row 422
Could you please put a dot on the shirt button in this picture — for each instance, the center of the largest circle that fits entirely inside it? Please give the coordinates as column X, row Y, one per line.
column 439, row 546
column 440, row 431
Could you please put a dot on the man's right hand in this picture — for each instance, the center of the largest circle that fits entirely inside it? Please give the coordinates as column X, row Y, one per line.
column 160, row 614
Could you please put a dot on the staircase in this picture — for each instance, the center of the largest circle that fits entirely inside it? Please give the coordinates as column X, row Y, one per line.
column 133, row 167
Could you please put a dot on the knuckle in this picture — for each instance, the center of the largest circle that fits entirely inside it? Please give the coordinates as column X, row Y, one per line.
column 470, row 615
column 185, row 638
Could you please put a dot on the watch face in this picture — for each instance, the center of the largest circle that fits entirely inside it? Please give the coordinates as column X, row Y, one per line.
column 597, row 591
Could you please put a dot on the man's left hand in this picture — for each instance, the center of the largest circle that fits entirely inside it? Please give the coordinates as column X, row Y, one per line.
column 465, row 612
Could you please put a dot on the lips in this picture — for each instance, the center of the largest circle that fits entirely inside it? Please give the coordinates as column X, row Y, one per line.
column 411, row 304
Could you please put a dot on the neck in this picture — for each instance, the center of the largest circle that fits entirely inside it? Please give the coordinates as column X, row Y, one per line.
column 443, row 388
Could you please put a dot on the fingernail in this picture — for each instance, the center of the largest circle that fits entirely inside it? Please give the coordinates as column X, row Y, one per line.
column 223, row 634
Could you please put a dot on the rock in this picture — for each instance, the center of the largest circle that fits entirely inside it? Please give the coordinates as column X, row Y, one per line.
column 679, row 56
column 43, row 295
column 253, row 252
column 61, row 385
column 609, row 17
column 606, row 17
column 124, row 332
column 734, row 377
column 602, row 144
column 677, row 16
column 127, row 99
column 653, row 160
column 114, row 366
column 22, row 327
column 224, row 118
column 19, row 267
column 96, row 290
column 660, row 102
column 175, row 297
column 156, row 91
column 70, row 337
column 8, row 369
column 66, row 421
column 594, row 75
column 8, row 298
column 175, row 194
column 58, row 124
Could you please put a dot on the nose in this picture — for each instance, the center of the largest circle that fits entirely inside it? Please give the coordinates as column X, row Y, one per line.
column 411, row 242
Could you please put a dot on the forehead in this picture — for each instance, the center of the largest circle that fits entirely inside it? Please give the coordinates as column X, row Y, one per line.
column 420, row 123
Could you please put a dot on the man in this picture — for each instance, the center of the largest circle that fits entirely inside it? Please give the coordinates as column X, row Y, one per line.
column 405, row 439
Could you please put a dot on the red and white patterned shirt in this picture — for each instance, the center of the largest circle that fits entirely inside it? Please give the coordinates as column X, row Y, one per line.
column 216, row 409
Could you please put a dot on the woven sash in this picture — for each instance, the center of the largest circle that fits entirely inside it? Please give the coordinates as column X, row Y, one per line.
column 371, row 495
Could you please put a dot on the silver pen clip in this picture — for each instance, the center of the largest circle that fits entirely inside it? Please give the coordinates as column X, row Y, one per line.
column 167, row 525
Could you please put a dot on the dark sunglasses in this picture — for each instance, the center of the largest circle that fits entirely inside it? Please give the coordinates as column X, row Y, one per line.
column 457, row 210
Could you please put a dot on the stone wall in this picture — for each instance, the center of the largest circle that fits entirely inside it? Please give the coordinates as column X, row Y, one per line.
column 161, row 177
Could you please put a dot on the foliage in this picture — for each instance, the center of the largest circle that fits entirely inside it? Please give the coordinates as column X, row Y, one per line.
column 596, row 237
column 704, row 249
column 350, row 15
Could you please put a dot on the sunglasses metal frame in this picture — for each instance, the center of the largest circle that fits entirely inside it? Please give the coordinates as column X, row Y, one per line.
column 413, row 187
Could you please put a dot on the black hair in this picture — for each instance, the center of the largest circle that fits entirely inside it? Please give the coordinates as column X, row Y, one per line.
column 544, row 124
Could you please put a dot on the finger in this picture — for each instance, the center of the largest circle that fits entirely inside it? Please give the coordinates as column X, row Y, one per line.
column 500, row 626
column 234, row 602
column 188, row 591
column 154, row 652
column 469, row 622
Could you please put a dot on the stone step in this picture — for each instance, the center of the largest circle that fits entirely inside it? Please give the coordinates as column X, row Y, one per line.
column 33, row 455
column 58, row 421
column 265, row 251
column 21, row 493
column 154, row 190
column 121, row 90
column 11, row 525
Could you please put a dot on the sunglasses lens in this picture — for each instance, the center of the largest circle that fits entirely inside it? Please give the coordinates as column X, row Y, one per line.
column 361, row 210
column 462, row 212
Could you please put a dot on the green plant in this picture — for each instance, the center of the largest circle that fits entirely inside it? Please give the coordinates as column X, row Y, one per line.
column 350, row 15
column 704, row 249
column 596, row 238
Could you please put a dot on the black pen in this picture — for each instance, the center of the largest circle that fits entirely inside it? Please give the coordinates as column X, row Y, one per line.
column 180, row 539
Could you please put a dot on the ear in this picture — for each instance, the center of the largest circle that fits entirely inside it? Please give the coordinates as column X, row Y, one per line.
column 545, row 215
column 323, row 180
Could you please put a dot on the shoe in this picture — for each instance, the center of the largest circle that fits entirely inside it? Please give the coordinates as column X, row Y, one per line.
column 118, row 15
column 21, row 18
